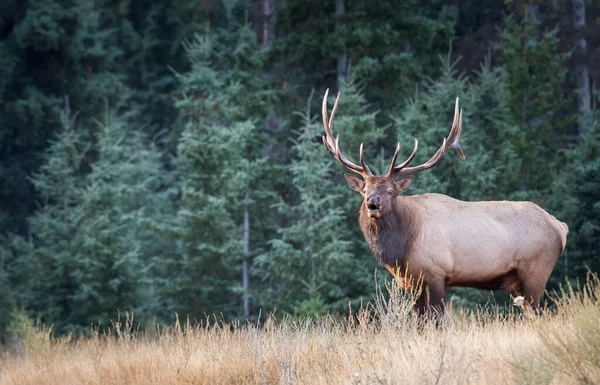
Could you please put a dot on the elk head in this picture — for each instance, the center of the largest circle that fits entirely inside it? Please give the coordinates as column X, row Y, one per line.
column 379, row 192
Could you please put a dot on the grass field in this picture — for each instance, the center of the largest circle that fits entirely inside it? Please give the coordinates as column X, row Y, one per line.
column 378, row 344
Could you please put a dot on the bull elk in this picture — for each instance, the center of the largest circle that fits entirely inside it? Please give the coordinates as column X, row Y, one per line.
column 494, row 245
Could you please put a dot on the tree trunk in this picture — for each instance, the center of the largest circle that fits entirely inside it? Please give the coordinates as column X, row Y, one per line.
column 581, row 67
column 267, row 35
column 245, row 263
column 342, row 62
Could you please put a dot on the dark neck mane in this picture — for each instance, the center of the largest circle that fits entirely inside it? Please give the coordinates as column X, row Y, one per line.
column 387, row 237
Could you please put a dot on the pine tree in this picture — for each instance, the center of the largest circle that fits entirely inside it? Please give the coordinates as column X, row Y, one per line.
column 536, row 70
column 486, row 138
column 56, row 49
column 574, row 200
column 389, row 45
column 221, row 168
column 46, row 266
column 309, row 258
column 254, row 96
column 121, row 199
column 82, row 262
column 7, row 301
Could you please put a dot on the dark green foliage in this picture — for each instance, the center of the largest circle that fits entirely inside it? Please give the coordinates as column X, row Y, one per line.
column 394, row 45
column 486, row 141
column 81, row 262
column 220, row 167
column 310, row 259
column 51, row 49
column 536, row 72
column 390, row 45
column 7, row 300
column 575, row 199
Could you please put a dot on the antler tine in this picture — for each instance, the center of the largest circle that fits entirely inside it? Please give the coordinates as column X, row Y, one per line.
column 410, row 158
column 362, row 162
column 349, row 165
column 328, row 138
column 455, row 145
column 332, row 145
column 455, row 132
column 335, row 105
column 454, row 121
column 391, row 169
column 395, row 169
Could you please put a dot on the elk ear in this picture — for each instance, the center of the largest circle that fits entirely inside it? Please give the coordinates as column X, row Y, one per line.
column 355, row 183
column 403, row 184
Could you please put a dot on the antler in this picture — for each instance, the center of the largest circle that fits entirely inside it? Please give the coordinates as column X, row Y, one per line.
column 332, row 145
column 455, row 131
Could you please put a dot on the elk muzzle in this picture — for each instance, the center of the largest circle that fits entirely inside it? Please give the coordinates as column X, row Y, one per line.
column 373, row 203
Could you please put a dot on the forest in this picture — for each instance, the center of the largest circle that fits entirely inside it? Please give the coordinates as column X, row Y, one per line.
column 164, row 157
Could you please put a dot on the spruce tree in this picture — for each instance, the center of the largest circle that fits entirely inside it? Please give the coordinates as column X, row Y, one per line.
column 81, row 264
column 221, row 168
column 46, row 265
column 536, row 70
column 310, row 258
column 49, row 49
column 121, row 199
column 574, row 199
column 7, row 301
column 488, row 172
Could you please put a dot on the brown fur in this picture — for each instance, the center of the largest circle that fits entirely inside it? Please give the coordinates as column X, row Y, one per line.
column 497, row 245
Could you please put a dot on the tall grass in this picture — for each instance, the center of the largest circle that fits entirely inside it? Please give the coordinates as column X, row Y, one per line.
column 380, row 343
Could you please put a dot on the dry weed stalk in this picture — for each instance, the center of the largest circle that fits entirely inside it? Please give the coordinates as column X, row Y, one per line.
column 382, row 342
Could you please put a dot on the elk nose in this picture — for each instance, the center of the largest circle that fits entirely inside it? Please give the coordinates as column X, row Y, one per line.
column 373, row 201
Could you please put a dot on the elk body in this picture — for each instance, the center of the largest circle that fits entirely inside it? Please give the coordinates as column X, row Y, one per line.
column 496, row 245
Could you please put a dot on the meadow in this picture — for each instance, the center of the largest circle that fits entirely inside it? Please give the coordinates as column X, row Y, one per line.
column 380, row 343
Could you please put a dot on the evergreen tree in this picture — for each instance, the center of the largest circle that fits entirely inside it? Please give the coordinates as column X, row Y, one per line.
column 221, row 168
column 536, row 71
column 574, row 199
column 81, row 264
column 160, row 28
column 395, row 45
column 49, row 49
column 45, row 266
column 209, row 243
column 486, row 137
column 389, row 45
column 7, row 301
column 310, row 258
column 122, row 198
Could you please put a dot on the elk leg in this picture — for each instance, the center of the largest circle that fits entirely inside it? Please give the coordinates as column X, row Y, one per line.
column 533, row 286
column 533, row 292
column 430, row 304
column 437, row 292
column 420, row 305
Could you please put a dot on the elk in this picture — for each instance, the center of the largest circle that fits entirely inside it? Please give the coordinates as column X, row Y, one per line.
column 491, row 245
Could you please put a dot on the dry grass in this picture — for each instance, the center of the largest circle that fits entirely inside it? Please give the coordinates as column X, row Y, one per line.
column 380, row 344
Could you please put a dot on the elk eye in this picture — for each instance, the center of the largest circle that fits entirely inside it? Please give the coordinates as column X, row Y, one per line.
column 390, row 192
